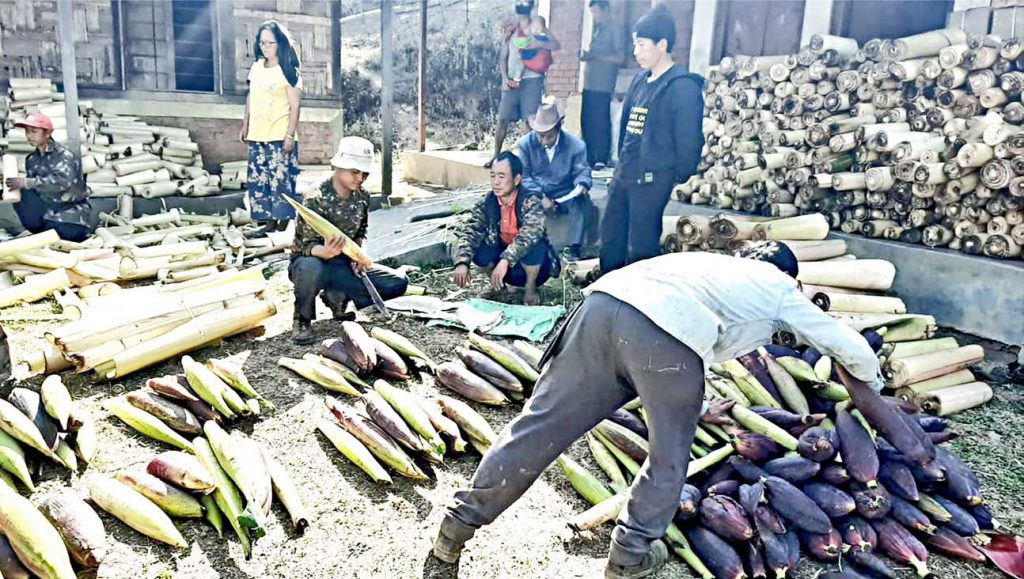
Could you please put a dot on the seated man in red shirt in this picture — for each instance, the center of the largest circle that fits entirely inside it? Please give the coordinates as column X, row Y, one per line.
column 505, row 234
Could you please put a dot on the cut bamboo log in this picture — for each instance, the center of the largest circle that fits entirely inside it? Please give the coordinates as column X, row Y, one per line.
column 811, row 227
column 955, row 398
column 911, row 391
column 917, row 368
column 837, row 302
column 817, row 250
column 35, row 288
column 47, row 360
column 16, row 246
column 870, row 274
column 908, row 349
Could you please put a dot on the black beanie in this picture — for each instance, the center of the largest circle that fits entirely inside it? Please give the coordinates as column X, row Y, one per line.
column 657, row 24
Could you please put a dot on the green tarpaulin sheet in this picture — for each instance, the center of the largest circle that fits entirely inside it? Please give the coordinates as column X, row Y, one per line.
column 531, row 322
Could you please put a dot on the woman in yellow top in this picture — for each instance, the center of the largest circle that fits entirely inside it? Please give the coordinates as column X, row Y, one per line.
column 269, row 125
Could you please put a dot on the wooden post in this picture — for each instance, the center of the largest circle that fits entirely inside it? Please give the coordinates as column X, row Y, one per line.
column 702, row 35
column 423, row 76
column 336, row 48
column 387, row 94
column 65, row 34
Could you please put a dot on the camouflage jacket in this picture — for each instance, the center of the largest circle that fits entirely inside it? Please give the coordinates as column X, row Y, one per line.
column 57, row 179
column 483, row 228
column 349, row 215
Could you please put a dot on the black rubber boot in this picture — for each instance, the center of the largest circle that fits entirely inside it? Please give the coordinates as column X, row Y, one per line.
column 451, row 539
column 302, row 333
column 653, row 561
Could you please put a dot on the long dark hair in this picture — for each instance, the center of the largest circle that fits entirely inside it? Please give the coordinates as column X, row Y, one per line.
column 287, row 56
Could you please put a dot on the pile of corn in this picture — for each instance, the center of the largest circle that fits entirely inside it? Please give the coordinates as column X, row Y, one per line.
column 388, row 425
column 917, row 139
column 121, row 155
column 819, row 475
column 47, row 424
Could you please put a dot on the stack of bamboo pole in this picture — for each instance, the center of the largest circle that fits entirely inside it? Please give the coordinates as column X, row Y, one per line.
column 130, row 329
column 917, row 139
column 233, row 175
column 169, row 247
column 121, row 155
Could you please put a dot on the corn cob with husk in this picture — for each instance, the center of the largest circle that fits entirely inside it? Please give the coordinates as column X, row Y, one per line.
column 586, row 484
column 504, row 356
column 355, row 451
column 329, row 231
column 134, row 509
column 319, row 373
column 147, row 424
column 240, row 468
column 402, row 345
column 376, row 440
column 174, row 502
column 12, row 460
column 34, row 540
column 288, row 494
column 606, row 460
column 414, row 416
column 225, row 493
column 233, row 376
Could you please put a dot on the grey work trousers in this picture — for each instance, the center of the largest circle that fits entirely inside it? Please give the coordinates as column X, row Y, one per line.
column 607, row 354
column 574, row 212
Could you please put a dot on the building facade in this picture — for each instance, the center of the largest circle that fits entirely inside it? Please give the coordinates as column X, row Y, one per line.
column 181, row 62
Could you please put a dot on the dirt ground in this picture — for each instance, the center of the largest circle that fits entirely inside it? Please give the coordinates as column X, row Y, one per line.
column 359, row 529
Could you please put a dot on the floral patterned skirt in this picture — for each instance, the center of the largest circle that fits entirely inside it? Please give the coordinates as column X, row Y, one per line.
column 272, row 173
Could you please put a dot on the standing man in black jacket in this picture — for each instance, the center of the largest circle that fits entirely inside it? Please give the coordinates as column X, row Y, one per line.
column 660, row 140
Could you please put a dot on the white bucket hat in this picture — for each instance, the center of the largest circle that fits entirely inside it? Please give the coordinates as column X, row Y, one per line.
column 354, row 153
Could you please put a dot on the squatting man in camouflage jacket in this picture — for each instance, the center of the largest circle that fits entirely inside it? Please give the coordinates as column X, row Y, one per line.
column 53, row 193
column 318, row 265
column 505, row 235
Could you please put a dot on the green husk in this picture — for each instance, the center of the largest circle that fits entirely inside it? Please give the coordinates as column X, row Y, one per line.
column 212, row 514
column 402, row 345
column 606, row 460
column 226, row 494
column 504, row 356
column 755, row 423
column 585, row 483
column 631, row 466
column 749, row 385
column 790, row 391
column 12, row 460
column 147, row 424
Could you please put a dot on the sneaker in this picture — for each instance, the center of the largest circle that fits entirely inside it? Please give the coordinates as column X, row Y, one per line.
column 338, row 303
column 302, row 333
column 571, row 253
column 599, row 166
column 447, row 550
column 653, row 561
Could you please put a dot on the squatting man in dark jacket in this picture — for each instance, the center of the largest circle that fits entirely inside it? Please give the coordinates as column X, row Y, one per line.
column 53, row 192
column 649, row 330
column 505, row 235
column 319, row 265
